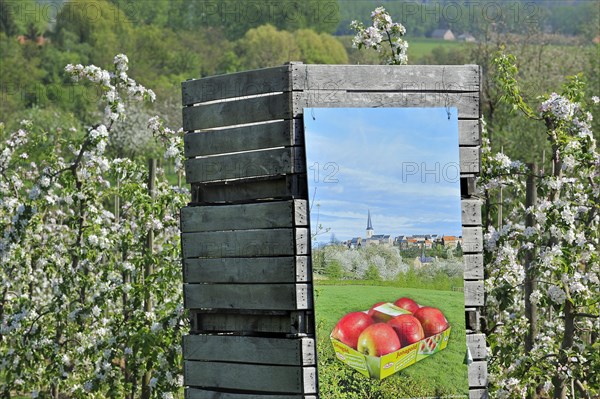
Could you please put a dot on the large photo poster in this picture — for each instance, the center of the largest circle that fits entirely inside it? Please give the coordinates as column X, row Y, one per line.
column 384, row 198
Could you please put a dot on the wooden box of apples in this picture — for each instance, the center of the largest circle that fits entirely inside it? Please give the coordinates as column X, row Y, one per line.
column 389, row 337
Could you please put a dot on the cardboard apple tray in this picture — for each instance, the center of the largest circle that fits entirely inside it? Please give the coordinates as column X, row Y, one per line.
column 386, row 365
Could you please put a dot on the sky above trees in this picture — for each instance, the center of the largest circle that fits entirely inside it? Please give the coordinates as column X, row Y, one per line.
column 402, row 164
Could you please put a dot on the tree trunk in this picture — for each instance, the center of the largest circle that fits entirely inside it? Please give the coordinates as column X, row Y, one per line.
column 54, row 392
column 148, row 270
column 2, row 304
column 561, row 386
column 531, row 311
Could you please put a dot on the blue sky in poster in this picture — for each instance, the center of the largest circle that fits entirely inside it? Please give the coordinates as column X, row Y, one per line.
column 402, row 164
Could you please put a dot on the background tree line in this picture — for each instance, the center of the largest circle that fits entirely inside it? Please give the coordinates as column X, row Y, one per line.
column 170, row 41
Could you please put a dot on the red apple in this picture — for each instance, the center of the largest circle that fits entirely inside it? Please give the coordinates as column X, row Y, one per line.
column 407, row 304
column 377, row 340
column 432, row 320
column 372, row 310
column 377, row 316
column 408, row 328
column 349, row 327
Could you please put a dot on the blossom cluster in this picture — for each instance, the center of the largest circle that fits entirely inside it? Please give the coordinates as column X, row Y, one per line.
column 112, row 84
column 557, row 251
column 382, row 33
column 73, row 248
column 172, row 140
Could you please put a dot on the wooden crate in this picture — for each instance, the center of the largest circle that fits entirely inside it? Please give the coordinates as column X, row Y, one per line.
column 245, row 234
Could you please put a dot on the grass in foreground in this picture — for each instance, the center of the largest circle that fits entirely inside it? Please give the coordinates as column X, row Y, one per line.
column 443, row 374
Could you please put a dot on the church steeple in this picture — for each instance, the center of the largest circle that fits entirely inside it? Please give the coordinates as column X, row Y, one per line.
column 369, row 225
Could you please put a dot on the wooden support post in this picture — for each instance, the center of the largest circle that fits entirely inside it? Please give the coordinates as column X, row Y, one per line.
column 149, row 268
column 531, row 311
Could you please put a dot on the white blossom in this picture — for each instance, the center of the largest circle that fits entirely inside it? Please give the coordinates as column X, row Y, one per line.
column 556, row 294
column 121, row 62
column 559, row 107
column 535, row 297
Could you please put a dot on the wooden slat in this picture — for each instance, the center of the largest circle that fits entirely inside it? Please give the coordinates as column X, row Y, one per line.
column 469, row 133
column 472, row 239
column 470, row 160
column 252, row 322
column 280, row 133
column 477, row 346
column 288, row 269
column 239, row 84
column 275, row 187
column 278, row 161
column 471, row 212
column 246, row 138
column 473, row 266
column 478, row 374
column 276, row 214
column 258, row 350
column 230, row 113
column 385, row 77
column 245, row 243
column 474, row 293
column 478, row 394
column 248, row 296
column 250, row 377
column 466, row 103
column 196, row 393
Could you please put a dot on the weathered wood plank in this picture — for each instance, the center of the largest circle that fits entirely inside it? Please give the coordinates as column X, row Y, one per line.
column 267, row 215
column 287, row 269
column 274, row 187
column 386, row 77
column 472, row 239
column 237, row 112
column 250, row 377
column 196, row 393
column 478, row 374
column 471, row 212
column 258, row 350
column 477, row 346
column 280, row 133
column 246, row 138
column 277, row 161
column 474, row 293
column 248, row 296
column 478, row 394
column 470, row 160
column 245, row 243
column 260, row 81
column 469, row 133
column 467, row 104
column 473, row 266
column 251, row 322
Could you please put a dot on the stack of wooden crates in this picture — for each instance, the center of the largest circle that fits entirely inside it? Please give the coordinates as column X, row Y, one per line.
column 246, row 232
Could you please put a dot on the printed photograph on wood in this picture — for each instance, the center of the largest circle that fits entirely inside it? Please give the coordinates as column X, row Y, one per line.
column 385, row 218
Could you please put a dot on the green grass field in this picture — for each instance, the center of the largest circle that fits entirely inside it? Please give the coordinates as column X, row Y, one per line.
column 443, row 374
column 421, row 47
column 418, row 48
